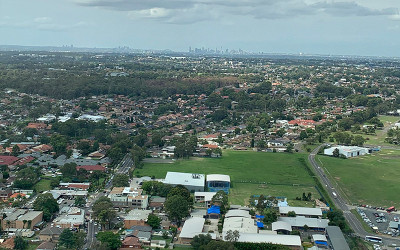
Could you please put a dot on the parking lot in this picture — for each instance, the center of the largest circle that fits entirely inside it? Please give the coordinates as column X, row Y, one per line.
column 378, row 219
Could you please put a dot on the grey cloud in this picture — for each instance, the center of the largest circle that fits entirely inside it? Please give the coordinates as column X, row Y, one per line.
column 190, row 11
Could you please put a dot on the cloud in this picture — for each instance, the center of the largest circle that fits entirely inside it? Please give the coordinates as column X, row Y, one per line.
column 41, row 23
column 189, row 11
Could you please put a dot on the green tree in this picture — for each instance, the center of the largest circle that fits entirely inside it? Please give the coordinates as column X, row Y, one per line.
column 177, row 208
column 291, row 214
column 120, row 180
column 103, row 211
column 181, row 190
column 232, row 236
column 69, row 170
column 15, row 150
column 47, row 204
column 335, row 152
column 220, row 199
column 80, row 201
column 20, row 243
column 270, row 216
column 220, row 245
column 59, row 143
column 153, row 221
column 199, row 241
column 110, row 239
column 67, row 239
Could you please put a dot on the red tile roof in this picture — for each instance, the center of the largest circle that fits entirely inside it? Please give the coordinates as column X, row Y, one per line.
column 7, row 160
column 92, row 168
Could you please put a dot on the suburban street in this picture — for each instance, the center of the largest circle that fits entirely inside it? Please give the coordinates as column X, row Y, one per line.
column 341, row 203
column 122, row 168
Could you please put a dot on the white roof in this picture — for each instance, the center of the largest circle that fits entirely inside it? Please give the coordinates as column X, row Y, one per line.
column 310, row 211
column 137, row 214
column 238, row 213
column 319, row 237
column 281, row 225
column 243, row 225
column 207, row 195
column 218, row 177
column 286, row 240
column 185, row 179
column 300, row 221
column 192, row 227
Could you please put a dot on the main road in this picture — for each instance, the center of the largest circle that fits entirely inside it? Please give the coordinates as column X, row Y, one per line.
column 340, row 202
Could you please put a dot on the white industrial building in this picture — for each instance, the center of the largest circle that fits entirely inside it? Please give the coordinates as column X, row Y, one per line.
column 301, row 211
column 193, row 182
column 347, row 151
column 192, row 227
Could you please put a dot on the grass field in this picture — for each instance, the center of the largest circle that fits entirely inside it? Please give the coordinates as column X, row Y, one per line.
column 252, row 173
column 43, row 184
column 371, row 179
column 379, row 137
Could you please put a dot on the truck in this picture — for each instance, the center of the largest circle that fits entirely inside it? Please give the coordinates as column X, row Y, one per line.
column 334, row 195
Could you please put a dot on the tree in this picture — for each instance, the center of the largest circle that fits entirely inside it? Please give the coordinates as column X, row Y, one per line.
column 20, row 243
column 69, row 170
column 80, row 201
column 269, row 216
column 15, row 150
column 47, row 204
column 67, row 239
column 200, row 241
column 291, row 214
column 181, row 190
column 153, row 221
column 59, row 143
column 177, row 208
column 84, row 147
column 220, row 199
column 109, row 238
column 120, row 180
column 71, row 240
column 103, row 211
column 232, row 236
column 220, row 245
column 335, row 152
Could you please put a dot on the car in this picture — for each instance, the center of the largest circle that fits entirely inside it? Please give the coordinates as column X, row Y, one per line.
column 396, row 219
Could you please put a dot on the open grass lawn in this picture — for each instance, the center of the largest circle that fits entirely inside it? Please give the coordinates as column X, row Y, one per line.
column 379, row 138
column 43, row 184
column 372, row 179
column 252, row 173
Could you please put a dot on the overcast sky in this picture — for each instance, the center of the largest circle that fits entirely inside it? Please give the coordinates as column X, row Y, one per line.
column 350, row 27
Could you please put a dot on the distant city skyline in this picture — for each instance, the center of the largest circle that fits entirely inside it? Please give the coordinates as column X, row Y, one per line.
column 345, row 27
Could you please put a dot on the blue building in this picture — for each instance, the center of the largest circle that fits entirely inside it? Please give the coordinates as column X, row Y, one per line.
column 217, row 182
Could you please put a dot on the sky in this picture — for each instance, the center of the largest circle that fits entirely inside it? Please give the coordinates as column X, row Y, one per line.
column 343, row 27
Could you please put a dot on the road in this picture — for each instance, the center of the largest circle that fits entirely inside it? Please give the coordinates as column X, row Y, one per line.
column 92, row 230
column 341, row 203
column 122, row 168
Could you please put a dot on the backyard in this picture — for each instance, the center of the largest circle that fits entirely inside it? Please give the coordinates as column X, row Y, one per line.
column 251, row 173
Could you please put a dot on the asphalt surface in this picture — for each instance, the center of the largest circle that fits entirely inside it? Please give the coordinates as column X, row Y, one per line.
column 341, row 204
column 123, row 168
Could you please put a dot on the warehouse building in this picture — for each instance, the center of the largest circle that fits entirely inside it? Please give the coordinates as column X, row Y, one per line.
column 218, row 182
column 193, row 182
column 347, row 151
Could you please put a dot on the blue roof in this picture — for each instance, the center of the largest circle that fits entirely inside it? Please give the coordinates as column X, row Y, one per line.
column 214, row 210
column 260, row 216
column 321, row 243
column 260, row 224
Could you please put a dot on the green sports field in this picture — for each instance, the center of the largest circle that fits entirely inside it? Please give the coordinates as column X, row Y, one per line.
column 252, row 173
column 372, row 179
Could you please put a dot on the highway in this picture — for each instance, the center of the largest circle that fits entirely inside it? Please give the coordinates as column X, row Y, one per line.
column 341, row 204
